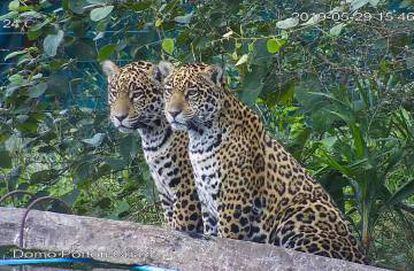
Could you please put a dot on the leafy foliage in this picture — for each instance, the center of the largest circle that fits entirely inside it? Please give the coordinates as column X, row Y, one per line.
column 335, row 88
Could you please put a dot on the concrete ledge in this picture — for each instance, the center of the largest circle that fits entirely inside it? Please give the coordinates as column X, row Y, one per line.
column 130, row 243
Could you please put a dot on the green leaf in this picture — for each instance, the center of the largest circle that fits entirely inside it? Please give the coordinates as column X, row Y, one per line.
column 14, row 5
column 96, row 140
column 359, row 143
column 313, row 20
column 43, row 176
column 106, row 51
column 120, row 208
column 337, row 29
column 357, row 4
column 32, row 14
column 112, row 163
column 13, row 143
column 14, row 176
column 33, row 35
column 273, row 45
column 329, row 96
column 83, row 49
column 252, row 84
column 328, row 159
column 5, row 160
column 288, row 23
column 37, row 90
column 22, row 118
column 83, row 175
column 243, row 59
column 287, row 93
column 409, row 61
column 16, row 79
column 328, row 142
column 10, row 15
column 405, row 191
column 184, row 19
column 71, row 197
column 123, row 206
column 37, row 76
column 39, row 26
column 228, row 34
column 341, row 115
column 98, row 14
column 403, row 4
column 128, row 147
column 158, row 23
column 27, row 125
column 46, row 149
column 13, row 54
column 52, row 42
column 141, row 5
column 77, row 6
column 374, row 3
column 168, row 45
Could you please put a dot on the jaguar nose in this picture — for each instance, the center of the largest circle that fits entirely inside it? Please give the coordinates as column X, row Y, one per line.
column 174, row 113
column 121, row 117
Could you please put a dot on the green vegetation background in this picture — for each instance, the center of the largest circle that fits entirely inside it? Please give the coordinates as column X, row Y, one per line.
column 338, row 93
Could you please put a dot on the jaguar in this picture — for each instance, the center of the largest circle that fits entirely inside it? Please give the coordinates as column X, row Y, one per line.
column 250, row 187
column 135, row 97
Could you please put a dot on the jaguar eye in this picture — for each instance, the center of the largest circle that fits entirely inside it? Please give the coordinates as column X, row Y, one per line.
column 136, row 96
column 191, row 92
column 112, row 94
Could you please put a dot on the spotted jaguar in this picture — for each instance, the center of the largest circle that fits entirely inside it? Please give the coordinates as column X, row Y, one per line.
column 135, row 96
column 250, row 187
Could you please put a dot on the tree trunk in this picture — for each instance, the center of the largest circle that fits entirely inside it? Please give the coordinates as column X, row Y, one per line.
column 129, row 243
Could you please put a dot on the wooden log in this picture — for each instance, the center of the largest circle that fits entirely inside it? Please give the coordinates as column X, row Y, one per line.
column 130, row 243
column 46, row 268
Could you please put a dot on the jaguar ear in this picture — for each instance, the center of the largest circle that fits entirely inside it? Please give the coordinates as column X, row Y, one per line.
column 162, row 70
column 110, row 69
column 216, row 75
